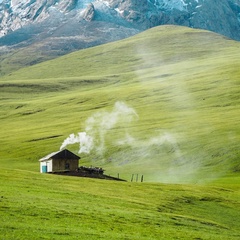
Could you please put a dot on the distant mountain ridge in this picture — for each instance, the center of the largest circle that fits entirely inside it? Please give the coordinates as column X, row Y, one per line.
column 56, row 27
column 219, row 16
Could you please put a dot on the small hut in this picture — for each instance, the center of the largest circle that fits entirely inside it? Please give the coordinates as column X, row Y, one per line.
column 60, row 161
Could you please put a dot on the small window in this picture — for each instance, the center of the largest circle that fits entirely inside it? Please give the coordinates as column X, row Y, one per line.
column 67, row 166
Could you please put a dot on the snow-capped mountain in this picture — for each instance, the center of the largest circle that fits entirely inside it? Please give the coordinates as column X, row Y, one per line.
column 222, row 16
column 56, row 27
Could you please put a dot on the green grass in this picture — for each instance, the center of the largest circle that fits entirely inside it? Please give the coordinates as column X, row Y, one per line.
column 182, row 83
column 184, row 86
column 35, row 206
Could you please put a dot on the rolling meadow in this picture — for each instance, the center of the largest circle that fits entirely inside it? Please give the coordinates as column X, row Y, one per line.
column 163, row 104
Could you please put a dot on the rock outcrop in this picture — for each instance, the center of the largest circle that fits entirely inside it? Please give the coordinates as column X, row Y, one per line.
column 89, row 12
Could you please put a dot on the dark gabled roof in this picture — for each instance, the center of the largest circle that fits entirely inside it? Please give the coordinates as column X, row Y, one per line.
column 62, row 154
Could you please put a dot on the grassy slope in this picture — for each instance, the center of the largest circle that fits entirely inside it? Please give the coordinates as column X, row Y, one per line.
column 9, row 61
column 184, row 86
column 54, row 207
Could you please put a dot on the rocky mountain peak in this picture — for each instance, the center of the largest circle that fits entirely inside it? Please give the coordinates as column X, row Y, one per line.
column 219, row 16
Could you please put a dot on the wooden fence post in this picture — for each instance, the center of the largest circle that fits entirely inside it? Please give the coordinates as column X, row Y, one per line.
column 132, row 177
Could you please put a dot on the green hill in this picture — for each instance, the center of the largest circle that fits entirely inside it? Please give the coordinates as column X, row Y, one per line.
column 163, row 104
column 182, row 85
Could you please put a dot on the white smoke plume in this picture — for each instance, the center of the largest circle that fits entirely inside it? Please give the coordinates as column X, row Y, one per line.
column 153, row 150
column 85, row 141
column 98, row 125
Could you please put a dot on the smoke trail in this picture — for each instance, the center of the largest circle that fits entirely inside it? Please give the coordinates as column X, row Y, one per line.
column 85, row 142
column 97, row 127
column 161, row 150
column 99, row 124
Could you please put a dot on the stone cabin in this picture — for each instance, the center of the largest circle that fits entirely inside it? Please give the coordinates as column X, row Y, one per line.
column 60, row 161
